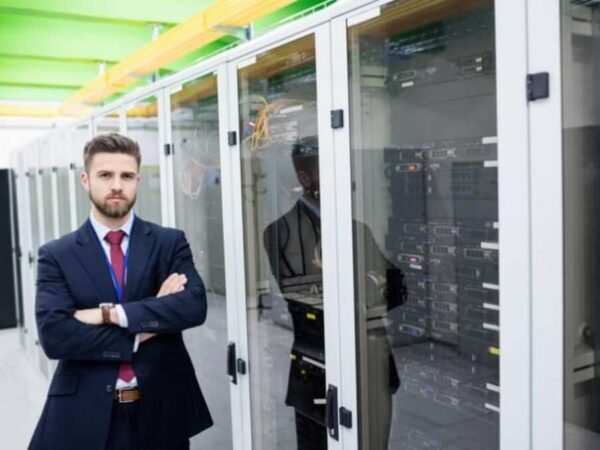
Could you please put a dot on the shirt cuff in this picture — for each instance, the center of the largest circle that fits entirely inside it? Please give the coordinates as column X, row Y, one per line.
column 136, row 343
column 123, row 322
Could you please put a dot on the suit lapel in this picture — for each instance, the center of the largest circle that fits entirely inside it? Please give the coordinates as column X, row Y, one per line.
column 91, row 256
column 140, row 248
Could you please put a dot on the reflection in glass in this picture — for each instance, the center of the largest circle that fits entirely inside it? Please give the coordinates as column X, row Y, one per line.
column 581, row 159
column 198, row 211
column 424, row 171
column 282, row 236
column 142, row 126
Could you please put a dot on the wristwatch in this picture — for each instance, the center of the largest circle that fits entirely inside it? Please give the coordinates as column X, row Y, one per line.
column 105, row 308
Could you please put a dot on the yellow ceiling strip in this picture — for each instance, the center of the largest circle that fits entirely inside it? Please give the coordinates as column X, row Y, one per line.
column 28, row 110
column 150, row 110
column 175, row 43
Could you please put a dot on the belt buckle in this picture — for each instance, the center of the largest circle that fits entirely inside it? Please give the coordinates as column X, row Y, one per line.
column 120, row 398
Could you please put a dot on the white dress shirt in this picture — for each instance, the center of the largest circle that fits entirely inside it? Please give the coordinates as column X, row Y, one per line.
column 101, row 232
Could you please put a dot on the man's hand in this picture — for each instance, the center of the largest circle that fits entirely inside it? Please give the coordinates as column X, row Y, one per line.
column 173, row 284
column 92, row 316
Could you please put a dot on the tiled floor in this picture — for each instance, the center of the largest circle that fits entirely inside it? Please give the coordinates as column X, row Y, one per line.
column 22, row 394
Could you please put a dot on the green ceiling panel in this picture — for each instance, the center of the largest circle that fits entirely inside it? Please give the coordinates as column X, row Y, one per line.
column 37, row 93
column 67, row 38
column 51, row 48
column 31, row 71
column 201, row 53
column 165, row 11
column 293, row 9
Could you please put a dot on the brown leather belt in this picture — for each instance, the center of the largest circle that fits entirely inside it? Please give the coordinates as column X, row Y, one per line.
column 127, row 395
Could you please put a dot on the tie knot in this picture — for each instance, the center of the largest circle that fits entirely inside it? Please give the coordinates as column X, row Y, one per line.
column 114, row 237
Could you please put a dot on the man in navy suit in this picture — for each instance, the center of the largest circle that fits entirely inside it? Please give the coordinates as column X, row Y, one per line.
column 112, row 300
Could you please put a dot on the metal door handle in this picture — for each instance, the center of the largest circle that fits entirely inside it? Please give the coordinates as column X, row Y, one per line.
column 331, row 413
column 231, row 362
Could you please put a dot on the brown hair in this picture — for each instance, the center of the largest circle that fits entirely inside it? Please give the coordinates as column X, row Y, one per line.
column 110, row 143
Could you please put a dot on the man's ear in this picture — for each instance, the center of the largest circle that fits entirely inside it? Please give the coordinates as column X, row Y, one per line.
column 85, row 180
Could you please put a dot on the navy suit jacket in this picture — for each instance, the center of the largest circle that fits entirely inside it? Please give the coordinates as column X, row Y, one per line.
column 72, row 275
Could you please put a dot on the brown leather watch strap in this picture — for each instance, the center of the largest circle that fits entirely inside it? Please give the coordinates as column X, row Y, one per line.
column 106, row 314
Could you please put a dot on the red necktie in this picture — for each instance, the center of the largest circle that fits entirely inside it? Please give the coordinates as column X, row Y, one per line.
column 114, row 238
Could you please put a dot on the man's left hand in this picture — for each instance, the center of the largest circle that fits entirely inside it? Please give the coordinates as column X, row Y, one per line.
column 92, row 316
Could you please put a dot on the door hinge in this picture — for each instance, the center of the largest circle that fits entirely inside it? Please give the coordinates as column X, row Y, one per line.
column 241, row 366
column 169, row 150
column 337, row 118
column 538, row 86
column 232, row 138
column 345, row 417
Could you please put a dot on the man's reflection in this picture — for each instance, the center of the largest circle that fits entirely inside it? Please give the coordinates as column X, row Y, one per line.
column 293, row 246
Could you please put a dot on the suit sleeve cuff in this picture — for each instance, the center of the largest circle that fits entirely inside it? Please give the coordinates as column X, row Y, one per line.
column 123, row 322
column 136, row 343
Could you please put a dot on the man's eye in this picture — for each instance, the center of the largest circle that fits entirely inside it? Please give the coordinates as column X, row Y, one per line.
column 104, row 175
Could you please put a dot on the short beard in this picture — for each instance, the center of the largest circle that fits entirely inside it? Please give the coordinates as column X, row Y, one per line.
column 114, row 211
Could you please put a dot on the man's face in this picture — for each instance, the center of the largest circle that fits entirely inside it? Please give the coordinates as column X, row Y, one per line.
column 112, row 181
column 308, row 176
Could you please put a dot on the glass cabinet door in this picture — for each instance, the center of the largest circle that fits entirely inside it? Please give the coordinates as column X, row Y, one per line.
column 279, row 150
column 422, row 92
column 580, row 36
column 79, row 137
column 64, row 200
column 33, row 177
column 109, row 123
column 47, row 199
column 142, row 126
column 198, row 212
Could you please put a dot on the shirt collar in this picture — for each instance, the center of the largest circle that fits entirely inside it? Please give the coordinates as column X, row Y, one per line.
column 101, row 229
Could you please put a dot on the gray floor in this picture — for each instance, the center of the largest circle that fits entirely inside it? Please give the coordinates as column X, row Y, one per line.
column 23, row 392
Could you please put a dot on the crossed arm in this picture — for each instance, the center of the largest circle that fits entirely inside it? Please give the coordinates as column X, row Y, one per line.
column 173, row 284
column 68, row 333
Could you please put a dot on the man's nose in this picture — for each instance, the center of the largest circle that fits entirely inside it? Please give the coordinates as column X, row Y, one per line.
column 116, row 185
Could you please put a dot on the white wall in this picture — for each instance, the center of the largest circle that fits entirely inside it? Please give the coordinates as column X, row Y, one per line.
column 15, row 132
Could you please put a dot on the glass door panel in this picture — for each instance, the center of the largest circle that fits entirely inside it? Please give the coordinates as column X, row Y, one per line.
column 64, row 207
column 142, row 126
column 79, row 137
column 109, row 123
column 47, row 202
column 198, row 211
column 32, row 175
column 282, row 244
column 425, row 225
column 581, row 159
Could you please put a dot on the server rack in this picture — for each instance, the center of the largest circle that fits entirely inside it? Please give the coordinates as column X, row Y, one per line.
column 434, row 315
